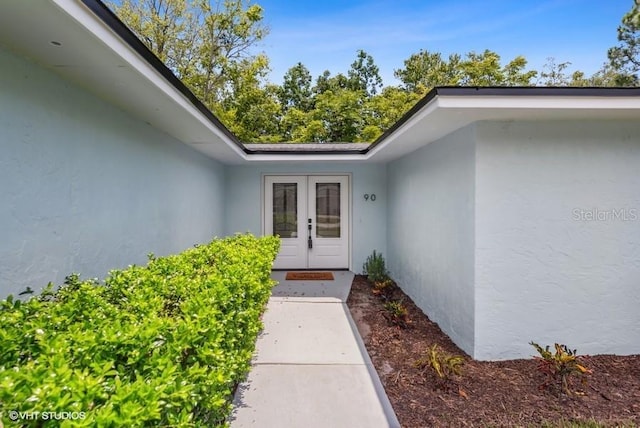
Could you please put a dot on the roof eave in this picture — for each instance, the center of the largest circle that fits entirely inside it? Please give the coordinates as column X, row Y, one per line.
column 109, row 18
column 441, row 102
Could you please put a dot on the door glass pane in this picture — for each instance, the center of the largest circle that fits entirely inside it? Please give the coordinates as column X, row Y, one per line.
column 328, row 210
column 285, row 210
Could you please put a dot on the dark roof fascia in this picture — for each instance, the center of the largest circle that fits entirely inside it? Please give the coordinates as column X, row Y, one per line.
column 513, row 91
column 107, row 16
column 539, row 91
column 308, row 152
column 405, row 117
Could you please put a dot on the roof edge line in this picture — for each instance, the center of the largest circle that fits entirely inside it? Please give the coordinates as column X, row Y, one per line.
column 309, row 152
column 111, row 20
column 405, row 117
column 497, row 91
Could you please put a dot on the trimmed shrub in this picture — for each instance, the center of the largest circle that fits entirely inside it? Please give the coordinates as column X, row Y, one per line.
column 164, row 344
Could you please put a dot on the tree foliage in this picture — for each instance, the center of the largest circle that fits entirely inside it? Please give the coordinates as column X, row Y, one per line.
column 364, row 74
column 199, row 41
column 625, row 57
column 296, row 89
column 484, row 69
column 209, row 44
column 555, row 74
column 250, row 107
column 426, row 70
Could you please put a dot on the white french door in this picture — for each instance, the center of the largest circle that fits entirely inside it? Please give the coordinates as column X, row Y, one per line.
column 310, row 213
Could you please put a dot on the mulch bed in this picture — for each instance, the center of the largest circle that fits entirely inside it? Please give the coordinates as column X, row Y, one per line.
column 494, row 394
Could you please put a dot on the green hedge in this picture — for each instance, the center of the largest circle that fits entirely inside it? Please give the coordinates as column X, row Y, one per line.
column 160, row 345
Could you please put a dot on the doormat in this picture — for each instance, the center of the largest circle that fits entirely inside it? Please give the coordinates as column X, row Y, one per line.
column 309, row 276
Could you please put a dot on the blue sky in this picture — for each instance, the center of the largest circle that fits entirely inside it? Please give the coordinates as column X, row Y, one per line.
column 325, row 34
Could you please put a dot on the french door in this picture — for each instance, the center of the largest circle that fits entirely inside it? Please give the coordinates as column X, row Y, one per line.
column 310, row 213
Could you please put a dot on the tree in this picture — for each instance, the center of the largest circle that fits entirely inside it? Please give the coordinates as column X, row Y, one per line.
column 426, row 70
column 325, row 82
column 625, row 58
column 364, row 74
column 198, row 41
column 606, row 76
column 227, row 33
column 294, row 127
column 484, row 69
column 553, row 73
column 515, row 74
column 481, row 69
column 251, row 108
column 295, row 91
column 340, row 114
column 167, row 27
column 383, row 110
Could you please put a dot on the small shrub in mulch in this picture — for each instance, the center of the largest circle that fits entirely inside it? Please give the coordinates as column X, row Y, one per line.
column 384, row 288
column 397, row 314
column 560, row 367
column 374, row 268
column 444, row 365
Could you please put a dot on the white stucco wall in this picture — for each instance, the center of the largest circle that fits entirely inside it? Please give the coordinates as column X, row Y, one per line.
column 553, row 264
column 86, row 188
column 243, row 209
column 430, row 234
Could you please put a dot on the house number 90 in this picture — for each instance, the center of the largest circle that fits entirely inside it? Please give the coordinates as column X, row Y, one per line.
column 371, row 197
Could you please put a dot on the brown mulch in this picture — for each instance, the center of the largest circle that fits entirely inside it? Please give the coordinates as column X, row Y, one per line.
column 487, row 394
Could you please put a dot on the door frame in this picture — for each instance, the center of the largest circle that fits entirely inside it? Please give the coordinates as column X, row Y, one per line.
column 349, row 176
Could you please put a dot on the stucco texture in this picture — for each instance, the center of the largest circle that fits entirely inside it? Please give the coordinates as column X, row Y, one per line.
column 511, row 232
column 86, row 188
column 557, row 237
column 430, row 235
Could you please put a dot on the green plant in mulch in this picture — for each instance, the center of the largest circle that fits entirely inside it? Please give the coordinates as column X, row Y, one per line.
column 560, row 367
column 443, row 364
column 384, row 288
column 374, row 268
column 378, row 277
column 158, row 345
column 397, row 314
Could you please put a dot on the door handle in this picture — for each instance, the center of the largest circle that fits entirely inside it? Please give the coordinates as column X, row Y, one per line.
column 309, row 240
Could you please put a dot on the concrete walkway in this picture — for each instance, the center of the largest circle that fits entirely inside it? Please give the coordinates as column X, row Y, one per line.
column 311, row 368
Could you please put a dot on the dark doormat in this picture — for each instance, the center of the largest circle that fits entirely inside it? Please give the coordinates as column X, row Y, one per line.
column 309, row 276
